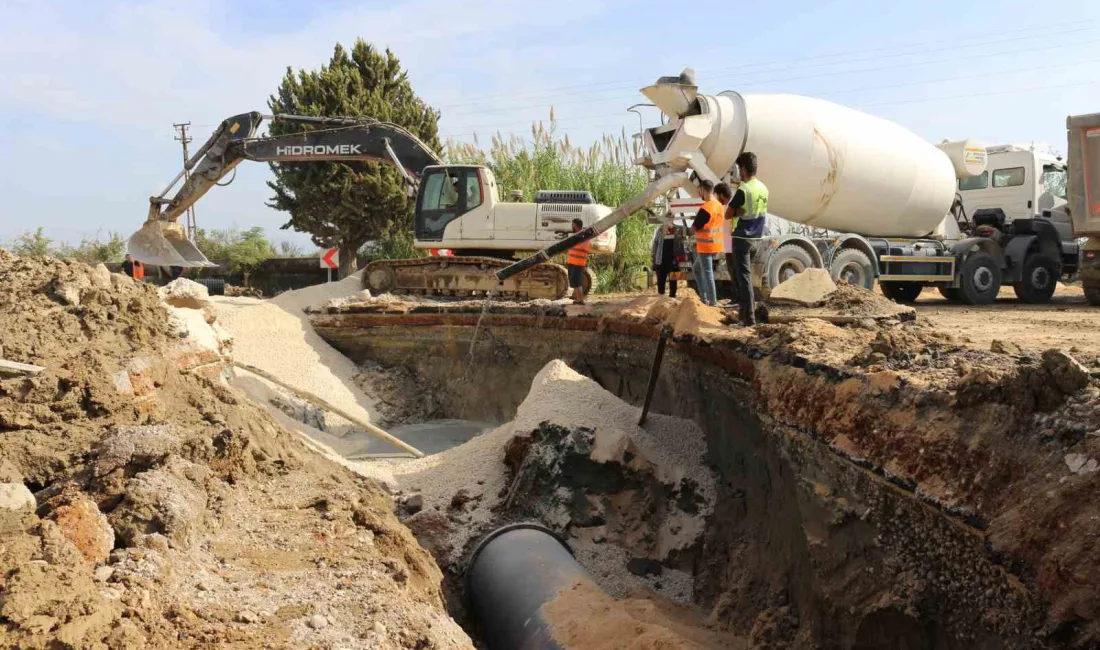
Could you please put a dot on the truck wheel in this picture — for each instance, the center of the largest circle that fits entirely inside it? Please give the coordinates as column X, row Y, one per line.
column 981, row 279
column 951, row 293
column 903, row 292
column 787, row 262
column 1092, row 294
column 1040, row 279
column 854, row 267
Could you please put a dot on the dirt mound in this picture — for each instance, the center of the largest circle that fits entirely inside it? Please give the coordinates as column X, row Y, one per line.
column 171, row 512
column 853, row 300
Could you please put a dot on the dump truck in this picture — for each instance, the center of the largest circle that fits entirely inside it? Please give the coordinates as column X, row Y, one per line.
column 892, row 207
column 1083, row 133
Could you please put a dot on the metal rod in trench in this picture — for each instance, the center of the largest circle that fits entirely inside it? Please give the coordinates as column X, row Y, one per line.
column 654, row 371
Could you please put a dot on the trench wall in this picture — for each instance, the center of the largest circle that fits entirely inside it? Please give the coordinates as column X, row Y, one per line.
column 806, row 548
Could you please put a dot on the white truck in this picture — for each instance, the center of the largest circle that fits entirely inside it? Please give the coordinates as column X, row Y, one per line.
column 880, row 203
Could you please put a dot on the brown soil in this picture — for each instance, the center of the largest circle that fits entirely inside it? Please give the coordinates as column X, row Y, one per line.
column 584, row 618
column 227, row 530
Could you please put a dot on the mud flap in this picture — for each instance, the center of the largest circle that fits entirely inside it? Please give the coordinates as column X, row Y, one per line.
column 163, row 243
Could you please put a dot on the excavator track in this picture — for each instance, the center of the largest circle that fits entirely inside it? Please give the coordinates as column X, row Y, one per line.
column 465, row 277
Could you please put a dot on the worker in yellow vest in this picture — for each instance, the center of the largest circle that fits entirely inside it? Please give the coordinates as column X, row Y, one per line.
column 708, row 242
column 576, row 263
column 750, row 206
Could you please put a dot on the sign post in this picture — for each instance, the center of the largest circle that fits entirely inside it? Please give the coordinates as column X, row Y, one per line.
column 330, row 259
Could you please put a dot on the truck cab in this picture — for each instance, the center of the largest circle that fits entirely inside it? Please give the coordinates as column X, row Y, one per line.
column 1021, row 183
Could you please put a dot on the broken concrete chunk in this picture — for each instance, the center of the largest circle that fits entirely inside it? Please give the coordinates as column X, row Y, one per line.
column 17, row 506
column 142, row 446
column 1068, row 375
column 83, row 524
column 186, row 294
column 807, row 288
column 101, row 277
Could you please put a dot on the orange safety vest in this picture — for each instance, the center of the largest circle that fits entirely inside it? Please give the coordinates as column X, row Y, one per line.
column 578, row 255
column 709, row 239
column 139, row 270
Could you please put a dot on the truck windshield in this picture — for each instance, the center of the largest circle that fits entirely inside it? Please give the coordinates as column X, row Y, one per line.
column 1054, row 180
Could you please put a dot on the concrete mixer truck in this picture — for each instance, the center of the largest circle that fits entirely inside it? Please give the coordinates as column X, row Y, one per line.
column 889, row 206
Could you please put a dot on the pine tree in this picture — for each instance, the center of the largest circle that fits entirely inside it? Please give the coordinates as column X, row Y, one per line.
column 349, row 204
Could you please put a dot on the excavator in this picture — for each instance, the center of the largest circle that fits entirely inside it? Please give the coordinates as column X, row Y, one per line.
column 458, row 208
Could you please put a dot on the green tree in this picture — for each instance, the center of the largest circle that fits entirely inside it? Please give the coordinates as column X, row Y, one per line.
column 32, row 244
column 247, row 250
column 93, row 250
column 347, row 204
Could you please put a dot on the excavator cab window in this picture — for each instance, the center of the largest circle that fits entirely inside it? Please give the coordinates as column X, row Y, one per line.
column 446, row 194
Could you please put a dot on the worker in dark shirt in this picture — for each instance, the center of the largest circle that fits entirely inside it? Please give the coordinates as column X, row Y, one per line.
column 749, row 206
column 708, row 242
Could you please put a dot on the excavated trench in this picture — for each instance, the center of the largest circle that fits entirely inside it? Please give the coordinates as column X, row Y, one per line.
column 807, row 545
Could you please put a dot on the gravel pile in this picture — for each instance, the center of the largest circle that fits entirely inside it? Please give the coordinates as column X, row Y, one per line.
column 275, row 335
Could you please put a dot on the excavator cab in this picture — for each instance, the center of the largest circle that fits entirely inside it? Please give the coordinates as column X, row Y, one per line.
column 446, row 193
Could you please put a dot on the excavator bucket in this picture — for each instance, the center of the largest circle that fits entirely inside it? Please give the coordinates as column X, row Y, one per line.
column 164, row 243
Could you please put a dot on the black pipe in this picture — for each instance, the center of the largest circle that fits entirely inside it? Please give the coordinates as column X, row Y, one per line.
column 512, row 573
column 546, row 253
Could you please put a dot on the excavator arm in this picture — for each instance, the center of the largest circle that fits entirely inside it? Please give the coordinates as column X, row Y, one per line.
column 163, row 242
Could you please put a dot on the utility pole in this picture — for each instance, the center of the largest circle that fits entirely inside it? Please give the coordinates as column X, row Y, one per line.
column 183, row 138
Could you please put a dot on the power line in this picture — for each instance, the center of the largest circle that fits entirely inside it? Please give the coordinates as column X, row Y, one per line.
column 834, row 73
column 557, row 91
column 875, row 104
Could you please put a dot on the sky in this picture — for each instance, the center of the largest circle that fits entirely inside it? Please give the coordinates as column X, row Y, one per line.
column 89, row 91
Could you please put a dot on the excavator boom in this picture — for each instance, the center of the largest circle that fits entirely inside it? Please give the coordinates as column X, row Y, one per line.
column 163, row 242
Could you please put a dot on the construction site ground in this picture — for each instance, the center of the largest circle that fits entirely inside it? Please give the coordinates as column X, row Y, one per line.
column 888, row 478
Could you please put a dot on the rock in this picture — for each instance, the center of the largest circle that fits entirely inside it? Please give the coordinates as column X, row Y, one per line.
column 317, row 622
column 165, row 500
column 1068, row 375
column 9, row 473
column 247, row 617
column 186, row 294
column 68, row 293
column 414, row 504
column 807, row 288
column 17, row 506
column 1081, row 464
column 101, row 277
column 83, row 524
column 379, row 628
column 460, row 499
column 103, row 573
column 134, row 447
column 1005, row 347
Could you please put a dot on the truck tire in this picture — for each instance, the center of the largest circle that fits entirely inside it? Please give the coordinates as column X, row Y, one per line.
column 951, row 293
column 981, row 279
column 1040, row 279
column 787, row 261
column 1092, row 294
column 902, row 292
column 854, row 267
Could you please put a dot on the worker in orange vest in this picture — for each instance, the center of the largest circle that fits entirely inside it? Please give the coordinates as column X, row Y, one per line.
column 708, row 242
column 577, row 263
column 133, row 268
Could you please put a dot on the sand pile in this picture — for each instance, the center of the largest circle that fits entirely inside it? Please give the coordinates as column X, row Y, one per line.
column 276, row 336
column 808, row 288
column 143, row 506
column 541, row 466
